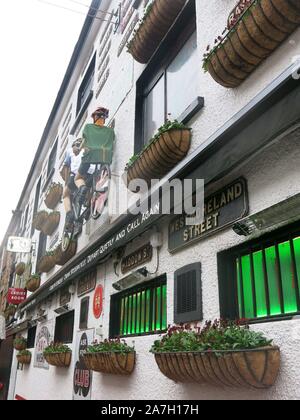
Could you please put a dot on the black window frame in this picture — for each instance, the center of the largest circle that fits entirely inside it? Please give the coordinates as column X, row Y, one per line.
column 228, row 293
column 52, row 160
column 36, row 201
column 84, row 313
column 31, row 335
column 170, row 47
column 64, row 333
column 115, row 308
column 42, row 246
column 87, row 81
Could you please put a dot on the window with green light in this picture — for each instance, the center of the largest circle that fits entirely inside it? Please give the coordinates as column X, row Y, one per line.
column 140, row 311
column 268, row 279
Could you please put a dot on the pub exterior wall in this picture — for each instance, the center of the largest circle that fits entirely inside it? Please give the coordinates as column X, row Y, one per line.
column 271, row 177
column 281, row 161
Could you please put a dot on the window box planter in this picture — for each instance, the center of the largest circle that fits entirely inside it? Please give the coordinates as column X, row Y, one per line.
column 20, row 343
column 160, row 156
column 39, row 220
column 20, row 269
column 33, row 283
column 24, row 358
column 256, row 368
column 157, row 21
column 61, row 257
column 112, row 362
column 53, row 195
column 62, row 360
column 51, row 223
column 253, row 38
column 46, row 264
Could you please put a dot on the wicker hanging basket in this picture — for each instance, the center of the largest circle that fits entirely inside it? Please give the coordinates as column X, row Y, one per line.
column 20, row 268
column 258, row 32
column 10, row 311
column 33, row 284
column 153, row 29
column 257, row 368
column 61, row 258
column 51, row 223
column 20, row 344
column 162, row 155
column 46, row 264
column 24, row 359
column 111, row 363
column 62, row 360
column 39, row 220
column 53, row 195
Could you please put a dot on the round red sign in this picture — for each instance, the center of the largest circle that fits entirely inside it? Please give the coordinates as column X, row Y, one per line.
column 98, row 302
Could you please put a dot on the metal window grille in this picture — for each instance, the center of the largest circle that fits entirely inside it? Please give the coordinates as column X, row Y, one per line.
column 140, row 311
column 268, row 280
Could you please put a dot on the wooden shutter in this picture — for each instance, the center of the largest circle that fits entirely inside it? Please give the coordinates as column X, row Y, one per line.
column 188, row 294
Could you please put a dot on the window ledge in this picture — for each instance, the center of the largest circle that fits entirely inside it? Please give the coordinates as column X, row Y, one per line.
column 192, row 110
column 81, row 112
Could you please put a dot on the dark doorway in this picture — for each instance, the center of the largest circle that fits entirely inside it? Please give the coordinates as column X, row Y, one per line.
column 6, row 354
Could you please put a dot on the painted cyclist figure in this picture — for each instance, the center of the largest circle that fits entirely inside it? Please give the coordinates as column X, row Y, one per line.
column 98, row 149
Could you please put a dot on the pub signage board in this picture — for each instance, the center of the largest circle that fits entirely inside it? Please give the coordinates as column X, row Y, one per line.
column 221, row 210
column 137, row 258
column 16, row 296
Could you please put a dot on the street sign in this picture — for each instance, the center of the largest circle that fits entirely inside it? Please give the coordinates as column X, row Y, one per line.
column 19, row 245
column 16, row 296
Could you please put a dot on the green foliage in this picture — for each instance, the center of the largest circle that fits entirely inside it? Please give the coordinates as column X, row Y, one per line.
column 24, row 353
column 168, row 126
column 35, row 276
column 57, row 348
column 20, row 341
column 110, row 346
column 214, row 336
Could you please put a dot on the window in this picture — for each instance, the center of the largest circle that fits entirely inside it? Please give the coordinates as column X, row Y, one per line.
column 25, row 220
column 36, row 201
column 140, row 311
column 31, row 338
column 86, row 85
column 84, row 313
column 52, row 160
column 169, row 87
column 264, row 279
column 188, row 294
column 42, row 246
column 64, row 328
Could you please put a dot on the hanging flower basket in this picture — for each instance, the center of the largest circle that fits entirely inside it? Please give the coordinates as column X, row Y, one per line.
column 256, row 368
column 53, row 195
column 111, row 363
column 58, row 355
column 39, row 220
column 62, row 360
column 51, row 223
column 33, row 283
column 222, row 353
column 24, row 357
column 46, row 263
column 20, row 269
column 61, row 257
column 256, row 34
column 158, row 19
column 20, row 343
column 162, row 154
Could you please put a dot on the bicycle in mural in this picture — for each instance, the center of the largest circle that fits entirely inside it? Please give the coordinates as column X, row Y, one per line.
column 88, row 184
